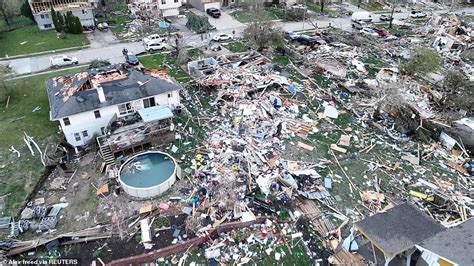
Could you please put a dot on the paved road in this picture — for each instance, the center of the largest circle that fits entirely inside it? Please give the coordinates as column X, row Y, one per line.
column 226, row 24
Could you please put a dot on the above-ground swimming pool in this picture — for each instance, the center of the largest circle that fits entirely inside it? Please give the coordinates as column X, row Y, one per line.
column 148, row 174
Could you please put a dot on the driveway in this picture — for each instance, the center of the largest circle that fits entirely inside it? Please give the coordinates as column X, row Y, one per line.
column 225, row 23
column 100, row 39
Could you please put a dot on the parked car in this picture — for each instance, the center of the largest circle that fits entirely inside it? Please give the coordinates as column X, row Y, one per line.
column 370, row 32
column 222, row 37
column 361, row 16
column 131, row 59
column 155, row 46
column 382, row 32
column 307, row 40
column 103, row 26
column 290, row 35
column 63, row 60
column 358, row 25
column 384, row 17
column 213, row 12
column 418, row 14
column 154, row 38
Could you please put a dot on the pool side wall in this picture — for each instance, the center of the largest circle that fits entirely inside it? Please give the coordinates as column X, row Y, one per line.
column 153, row 191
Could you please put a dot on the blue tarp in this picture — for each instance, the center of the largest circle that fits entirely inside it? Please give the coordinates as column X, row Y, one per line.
column 155, row 113
column 163, row 24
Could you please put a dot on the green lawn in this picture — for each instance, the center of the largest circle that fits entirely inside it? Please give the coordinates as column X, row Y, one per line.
column 236, row 47
column 118, row 23
column 396, row 30
column 246, row 16
column 299, row 256
column 18, row 175
column 369, row 7
column 35, row 40
column 15, row 23
column 281, row 60
column 161, row 60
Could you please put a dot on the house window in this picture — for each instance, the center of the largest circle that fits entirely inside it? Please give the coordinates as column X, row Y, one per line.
column 125, row 108
column 163, row 2
column 169, row 95
column 66, row 121
column 47, row 26
column 84, row 12
column 77, row 136
column 42, row 16
column 150, row 102
column 102, row 130
column 176, row 1
column 97, row 114
column 85, row 134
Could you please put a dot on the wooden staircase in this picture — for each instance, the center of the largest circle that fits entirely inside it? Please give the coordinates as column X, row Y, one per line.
column 106, row 151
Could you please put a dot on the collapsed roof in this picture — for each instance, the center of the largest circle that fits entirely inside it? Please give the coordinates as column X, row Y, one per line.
column 80, row 92
column 398, row 229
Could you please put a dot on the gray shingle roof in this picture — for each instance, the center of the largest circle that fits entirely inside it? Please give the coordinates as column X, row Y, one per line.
column 455, row 244
column 116, row 92
column 399, row 228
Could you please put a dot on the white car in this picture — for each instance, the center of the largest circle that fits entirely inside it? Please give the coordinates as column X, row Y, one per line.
column 370, row 32
column 154, row 38
column 155, row 46
column 416, row 14
column 63, row 60
column 222, row 37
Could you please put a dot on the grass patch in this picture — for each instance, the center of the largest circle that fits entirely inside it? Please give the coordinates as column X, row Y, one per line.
column 368, row 6
column 18, row 175
column 36, row 41
column 395, row 30
column 236, row 47
column 321, row 80
column 267, row 14
column 281, row 60
column 419, row 21
column 118, row 23
column 161, row 60
column 15, row 23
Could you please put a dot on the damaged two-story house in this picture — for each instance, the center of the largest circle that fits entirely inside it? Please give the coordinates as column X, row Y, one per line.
column 120, row 107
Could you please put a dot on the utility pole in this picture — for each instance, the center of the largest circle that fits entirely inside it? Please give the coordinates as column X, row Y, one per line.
column 391, row 16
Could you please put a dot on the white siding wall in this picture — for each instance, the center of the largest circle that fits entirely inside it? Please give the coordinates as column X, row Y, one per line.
column 87, row 121
column 170, row 8
column 85, row 15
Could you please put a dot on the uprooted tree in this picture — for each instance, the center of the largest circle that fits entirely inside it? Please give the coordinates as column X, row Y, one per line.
column 198, row 24
column 264, row 34
column 459, row 93
column 260, row 33
column 179, row 51
column 425, row 60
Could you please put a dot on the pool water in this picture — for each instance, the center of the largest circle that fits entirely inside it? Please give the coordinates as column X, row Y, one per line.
column 147, row 170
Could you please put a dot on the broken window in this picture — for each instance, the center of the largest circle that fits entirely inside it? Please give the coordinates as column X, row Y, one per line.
column 163, row 2
column 66, row 121
column 125, row 108
column 150, row 102
column 85, row 134
column 97, row 114
column 77, row 136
